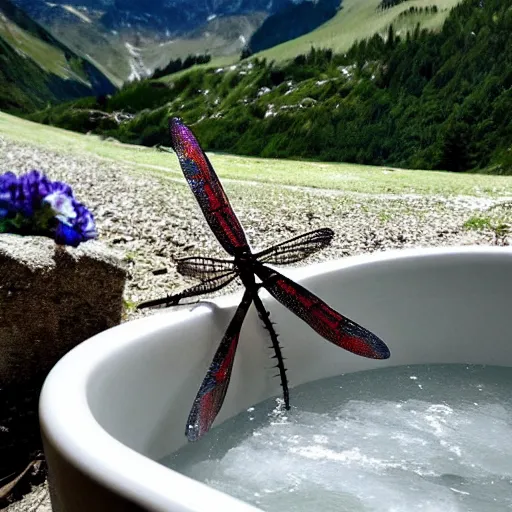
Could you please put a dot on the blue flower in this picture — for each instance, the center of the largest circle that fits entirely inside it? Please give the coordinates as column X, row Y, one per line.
column 34, row 205
column 62, row 205
column 8, row 189
column 78, row 229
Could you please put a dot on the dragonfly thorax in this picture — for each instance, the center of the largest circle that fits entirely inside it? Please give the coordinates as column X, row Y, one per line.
column 244, row 262
column 244, row 259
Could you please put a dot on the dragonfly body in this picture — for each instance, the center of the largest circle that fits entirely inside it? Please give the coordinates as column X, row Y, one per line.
column 214, row 274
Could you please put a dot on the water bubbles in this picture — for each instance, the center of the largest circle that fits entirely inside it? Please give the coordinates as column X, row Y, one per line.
column 380, row 444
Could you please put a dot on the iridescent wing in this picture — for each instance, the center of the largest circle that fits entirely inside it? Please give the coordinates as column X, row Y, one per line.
column 202, row 268
column 207, row 286
column 297, row 248
column 327, row 322
column 212, row 392
column 207, row 189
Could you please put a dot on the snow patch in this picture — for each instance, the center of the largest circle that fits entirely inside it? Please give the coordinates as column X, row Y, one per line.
column 270, row 112
column 132, row 50
column 137, row 68
column 346, row 71
column 263, row 90
column 76, row 12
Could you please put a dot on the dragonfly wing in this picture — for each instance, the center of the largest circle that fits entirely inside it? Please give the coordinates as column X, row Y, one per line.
column 207, row 189
column 327, row 322
column 202, row 268
column 212, row 392
column 297, row 248
column 207, row 286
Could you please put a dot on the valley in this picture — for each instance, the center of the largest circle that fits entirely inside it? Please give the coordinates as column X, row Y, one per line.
column 434, row 100
column 104, row 32
column 109, row 33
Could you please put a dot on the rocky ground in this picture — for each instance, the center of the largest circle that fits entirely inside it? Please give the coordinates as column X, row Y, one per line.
column 152, row 218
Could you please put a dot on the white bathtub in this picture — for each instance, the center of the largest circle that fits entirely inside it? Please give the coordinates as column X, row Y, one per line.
column 119, row 402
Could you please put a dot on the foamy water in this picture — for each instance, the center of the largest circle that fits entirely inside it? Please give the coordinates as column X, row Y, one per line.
column 430, row 438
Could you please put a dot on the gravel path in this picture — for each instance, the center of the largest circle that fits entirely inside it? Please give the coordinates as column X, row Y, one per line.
column 152, row 218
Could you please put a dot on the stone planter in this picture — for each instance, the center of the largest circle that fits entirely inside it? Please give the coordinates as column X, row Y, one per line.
column 51, row 299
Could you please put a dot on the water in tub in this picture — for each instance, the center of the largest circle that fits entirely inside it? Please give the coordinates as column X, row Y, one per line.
column 434, row 438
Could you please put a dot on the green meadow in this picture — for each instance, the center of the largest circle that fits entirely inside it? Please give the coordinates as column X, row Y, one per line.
column 295, row 173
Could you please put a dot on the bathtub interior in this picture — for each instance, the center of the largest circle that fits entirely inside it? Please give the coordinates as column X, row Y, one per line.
column 439, row 309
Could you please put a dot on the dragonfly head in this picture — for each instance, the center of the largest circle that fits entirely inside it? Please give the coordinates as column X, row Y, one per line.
column 244, row 259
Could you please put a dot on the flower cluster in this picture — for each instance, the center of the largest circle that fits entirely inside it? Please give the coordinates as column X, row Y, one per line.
column 33, row 205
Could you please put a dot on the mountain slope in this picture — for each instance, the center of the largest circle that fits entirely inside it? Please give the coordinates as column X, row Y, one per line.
column 360, row 19
column 292, row 21
column 36, row 68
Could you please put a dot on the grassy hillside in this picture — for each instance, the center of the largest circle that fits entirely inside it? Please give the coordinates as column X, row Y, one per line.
column 25, row 87
column 360, row 19
column 44, row 53
column 36, row 68
column 292, row 21
column 356, row 20
column 344, row 177
column 106, row 51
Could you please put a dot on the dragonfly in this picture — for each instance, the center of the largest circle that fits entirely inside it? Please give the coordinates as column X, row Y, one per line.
column 252, row 270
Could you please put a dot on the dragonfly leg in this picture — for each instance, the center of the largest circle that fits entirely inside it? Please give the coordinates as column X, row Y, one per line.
column 207, row 286
column 170, row 300
column 265, row 318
